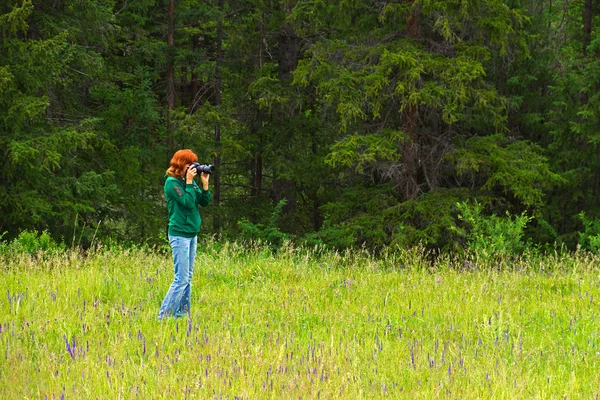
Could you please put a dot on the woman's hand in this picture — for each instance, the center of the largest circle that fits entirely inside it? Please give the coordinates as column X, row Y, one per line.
column 190, row 174
column 204, row 178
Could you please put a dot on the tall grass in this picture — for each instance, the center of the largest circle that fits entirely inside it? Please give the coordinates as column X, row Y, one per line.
column 300, row 324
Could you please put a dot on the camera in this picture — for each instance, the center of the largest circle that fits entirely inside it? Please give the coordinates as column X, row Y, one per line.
column 207, row 169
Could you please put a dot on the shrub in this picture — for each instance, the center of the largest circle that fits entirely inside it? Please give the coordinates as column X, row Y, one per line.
column 32, row 242
column 269, row 233
column 491, row 236
column 589, row 239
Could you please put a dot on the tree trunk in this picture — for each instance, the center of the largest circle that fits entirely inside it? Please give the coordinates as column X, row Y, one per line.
column 183, row 87
column 587, row 25
column 194, row 89
column 198, row 88
column 218, row 86
column 257, row 167
column 410, row 149
column 170, row 72
column 288, row 52
column 287, row 62
column 317, row 217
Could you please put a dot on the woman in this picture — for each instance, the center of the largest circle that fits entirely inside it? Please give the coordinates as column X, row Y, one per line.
column 183, row 197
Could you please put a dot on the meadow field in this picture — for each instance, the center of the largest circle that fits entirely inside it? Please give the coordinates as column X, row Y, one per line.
column 300, row 324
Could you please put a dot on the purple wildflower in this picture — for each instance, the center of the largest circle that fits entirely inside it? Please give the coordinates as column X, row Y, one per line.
column 69, row 349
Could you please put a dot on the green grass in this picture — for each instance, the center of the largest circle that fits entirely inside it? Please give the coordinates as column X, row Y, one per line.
column 298, row 325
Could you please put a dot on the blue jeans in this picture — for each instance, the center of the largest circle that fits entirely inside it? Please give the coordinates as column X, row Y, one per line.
column 177, row 300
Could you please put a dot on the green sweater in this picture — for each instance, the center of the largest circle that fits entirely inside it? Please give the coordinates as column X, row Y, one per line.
column 182, row 202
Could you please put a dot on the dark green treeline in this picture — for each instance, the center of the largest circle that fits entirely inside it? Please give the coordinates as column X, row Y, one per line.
column 345, row 122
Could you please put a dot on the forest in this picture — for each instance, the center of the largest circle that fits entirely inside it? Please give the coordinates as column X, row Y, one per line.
column 342, row 123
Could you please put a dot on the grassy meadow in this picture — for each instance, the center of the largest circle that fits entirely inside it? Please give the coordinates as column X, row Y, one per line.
column 299, row 324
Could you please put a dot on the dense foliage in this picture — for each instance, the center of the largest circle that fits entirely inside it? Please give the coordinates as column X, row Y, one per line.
column 344, row 123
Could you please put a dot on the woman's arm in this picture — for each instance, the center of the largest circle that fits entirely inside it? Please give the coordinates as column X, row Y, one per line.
column 186, row 197
column 203, row 196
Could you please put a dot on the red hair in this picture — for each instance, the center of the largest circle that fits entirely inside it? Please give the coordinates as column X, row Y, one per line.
column 179, row 161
